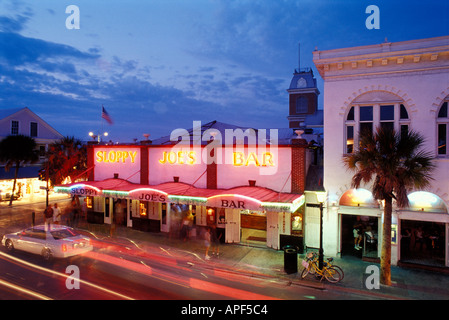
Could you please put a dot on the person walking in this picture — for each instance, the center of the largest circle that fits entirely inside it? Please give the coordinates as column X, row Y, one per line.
column 48, row 215
column 207, row 243
column 56, row 214
column 215, row 241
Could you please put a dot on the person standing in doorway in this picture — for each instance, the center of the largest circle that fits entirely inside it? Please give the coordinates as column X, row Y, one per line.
column 357, row 232
column 207, row 243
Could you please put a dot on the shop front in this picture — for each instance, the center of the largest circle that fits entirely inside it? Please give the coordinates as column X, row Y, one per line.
column 423, row 231
column 248, row 215
column 419, row 233
column 252, row 191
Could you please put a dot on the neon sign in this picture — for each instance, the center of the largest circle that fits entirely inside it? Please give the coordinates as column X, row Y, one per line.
column 238, row 158
column 180, row 157
column 266, row 159
column 116, row 156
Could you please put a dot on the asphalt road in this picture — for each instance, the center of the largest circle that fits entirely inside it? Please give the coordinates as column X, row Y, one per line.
column 117, row 271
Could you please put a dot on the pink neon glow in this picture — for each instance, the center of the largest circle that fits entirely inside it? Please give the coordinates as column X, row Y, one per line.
column 148, row 189
column 236, row 195
column 227, row 291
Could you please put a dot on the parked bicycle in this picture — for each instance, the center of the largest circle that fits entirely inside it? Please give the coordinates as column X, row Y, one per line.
column 330, row 272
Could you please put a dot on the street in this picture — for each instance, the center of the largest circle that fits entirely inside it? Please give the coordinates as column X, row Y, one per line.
column 118, row 270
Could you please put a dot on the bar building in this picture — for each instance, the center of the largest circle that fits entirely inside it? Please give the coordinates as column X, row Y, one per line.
column 250, row 184
column 405, row 86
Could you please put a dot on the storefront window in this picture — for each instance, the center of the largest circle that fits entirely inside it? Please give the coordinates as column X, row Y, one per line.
column 143, row 210
column 297, row 224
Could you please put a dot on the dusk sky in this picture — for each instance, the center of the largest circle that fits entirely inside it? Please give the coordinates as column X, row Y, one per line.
column 158, row 65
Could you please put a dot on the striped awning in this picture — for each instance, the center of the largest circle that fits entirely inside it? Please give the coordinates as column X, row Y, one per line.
column 244, row 197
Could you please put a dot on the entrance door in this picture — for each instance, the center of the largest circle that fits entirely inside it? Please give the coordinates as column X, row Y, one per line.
column 362, row 243
column 108, row 210
column 273, row 230
column 232, row 233
column 423, row 242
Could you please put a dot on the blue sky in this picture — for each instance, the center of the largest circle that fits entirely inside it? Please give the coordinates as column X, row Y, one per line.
column 158, row 65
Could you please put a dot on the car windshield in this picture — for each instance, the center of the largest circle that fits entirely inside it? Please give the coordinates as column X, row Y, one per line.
column 63, row 233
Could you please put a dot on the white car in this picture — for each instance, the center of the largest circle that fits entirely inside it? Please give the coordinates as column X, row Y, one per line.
column 59, row 241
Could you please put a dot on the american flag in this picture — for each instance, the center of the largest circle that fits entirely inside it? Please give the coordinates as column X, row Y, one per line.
column 106, row 115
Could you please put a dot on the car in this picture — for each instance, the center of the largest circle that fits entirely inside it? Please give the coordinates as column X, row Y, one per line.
column 58, row 241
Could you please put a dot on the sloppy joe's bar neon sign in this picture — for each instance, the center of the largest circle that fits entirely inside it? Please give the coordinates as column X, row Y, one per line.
column 116, row 156
column 265, row 159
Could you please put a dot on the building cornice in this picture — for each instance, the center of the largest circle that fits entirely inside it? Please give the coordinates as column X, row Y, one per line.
column 409, row 56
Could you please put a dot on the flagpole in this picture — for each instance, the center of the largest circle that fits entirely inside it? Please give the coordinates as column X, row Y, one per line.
column 102, row 123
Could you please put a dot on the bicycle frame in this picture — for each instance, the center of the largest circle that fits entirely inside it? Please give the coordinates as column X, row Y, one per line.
column 329, row 272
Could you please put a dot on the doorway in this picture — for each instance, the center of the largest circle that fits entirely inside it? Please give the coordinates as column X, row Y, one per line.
column 423, row 242
column 253, row 228
column 359, row 236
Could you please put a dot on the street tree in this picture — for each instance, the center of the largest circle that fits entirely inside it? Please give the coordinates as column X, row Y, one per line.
column 16, row 150
column 394, row 162
column 66, row 158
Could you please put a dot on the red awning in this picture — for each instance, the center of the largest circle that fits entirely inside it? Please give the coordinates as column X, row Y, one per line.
column 258, row 194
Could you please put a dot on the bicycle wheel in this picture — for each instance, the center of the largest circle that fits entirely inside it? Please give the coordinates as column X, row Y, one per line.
column 340, row 271
column 332, row 275
column 306, row 271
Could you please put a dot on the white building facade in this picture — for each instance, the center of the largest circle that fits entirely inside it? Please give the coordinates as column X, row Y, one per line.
column 403, row 85
column 23, row 121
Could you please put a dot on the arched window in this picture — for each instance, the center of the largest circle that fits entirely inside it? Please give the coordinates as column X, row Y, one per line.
column 442, row 127
column 371, row 110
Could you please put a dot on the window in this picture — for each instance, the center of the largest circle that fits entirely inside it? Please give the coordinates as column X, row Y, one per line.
column 442, row 125
column 302, row 105
column 364, row 117
column 14, row 127
column 387, row 116
column 33, row 129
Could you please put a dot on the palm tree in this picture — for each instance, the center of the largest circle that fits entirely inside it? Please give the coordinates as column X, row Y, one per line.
column 16, row 150
column 66, row 158
column 396, row 163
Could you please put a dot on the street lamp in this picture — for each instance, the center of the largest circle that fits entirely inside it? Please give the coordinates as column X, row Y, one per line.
column 95, row 136
column 321, row 196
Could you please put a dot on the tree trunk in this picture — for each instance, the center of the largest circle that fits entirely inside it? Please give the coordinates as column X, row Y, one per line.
column 385, row 257
column 16, row 173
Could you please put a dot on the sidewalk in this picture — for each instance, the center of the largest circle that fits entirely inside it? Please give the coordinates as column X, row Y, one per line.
column 266, row 262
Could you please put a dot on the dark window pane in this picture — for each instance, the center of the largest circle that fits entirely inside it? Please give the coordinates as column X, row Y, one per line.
column 443, row 111
column 366, row 113
column 404, row 113
column 386, row 113
column 33, row 129
column 14, row 127
column 404, row 129
column 302, row 105
column 366, row 127
column 442, row 139
column 387, row 125
column 349, row 139
column 350, row 114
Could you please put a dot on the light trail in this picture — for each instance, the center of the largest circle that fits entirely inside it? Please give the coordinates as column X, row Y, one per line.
column 24, row 290
column 90, row 284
